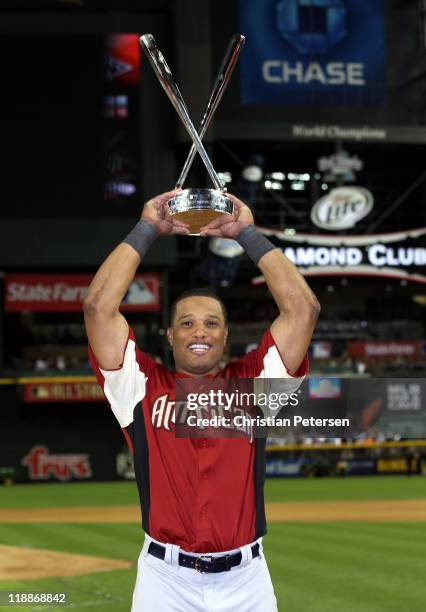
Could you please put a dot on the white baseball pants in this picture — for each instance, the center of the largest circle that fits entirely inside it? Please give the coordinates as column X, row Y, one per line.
column 165, row 586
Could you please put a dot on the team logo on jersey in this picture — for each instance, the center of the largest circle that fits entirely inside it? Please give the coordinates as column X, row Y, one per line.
column 163, row 413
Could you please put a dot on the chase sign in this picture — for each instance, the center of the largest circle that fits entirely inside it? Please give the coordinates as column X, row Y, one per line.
column 312, row 27
column 328, row 52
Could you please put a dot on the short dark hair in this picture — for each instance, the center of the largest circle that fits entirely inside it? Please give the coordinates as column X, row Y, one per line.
column 198, row 292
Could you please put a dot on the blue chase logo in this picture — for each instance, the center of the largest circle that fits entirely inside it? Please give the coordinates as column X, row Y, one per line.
column 312, row 26
column 313, row 52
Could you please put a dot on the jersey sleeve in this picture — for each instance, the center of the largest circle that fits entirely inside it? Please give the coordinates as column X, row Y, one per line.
column 125, row 386
column 265, row 362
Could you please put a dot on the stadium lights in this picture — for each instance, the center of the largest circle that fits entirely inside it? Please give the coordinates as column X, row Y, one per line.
column 297, row 186
column 273, row 185
column 292, row 176
column 253, row 170
column 119, row 188
column 225, row 177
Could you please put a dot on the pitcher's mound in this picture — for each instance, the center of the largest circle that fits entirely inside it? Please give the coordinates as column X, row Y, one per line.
column 17, row 563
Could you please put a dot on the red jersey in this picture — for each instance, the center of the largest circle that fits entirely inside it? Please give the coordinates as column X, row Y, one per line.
column 205, row 494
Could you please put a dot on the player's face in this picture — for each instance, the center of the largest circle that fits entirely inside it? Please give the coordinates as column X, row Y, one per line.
column 198, row 335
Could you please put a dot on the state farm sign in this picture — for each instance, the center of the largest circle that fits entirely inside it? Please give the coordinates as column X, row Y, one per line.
column 40, row 292
column 65, row 292
column 377, row 348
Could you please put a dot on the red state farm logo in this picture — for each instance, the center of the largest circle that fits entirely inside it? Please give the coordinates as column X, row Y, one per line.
column 66, row 292
column 43, row 466
column 39, row 292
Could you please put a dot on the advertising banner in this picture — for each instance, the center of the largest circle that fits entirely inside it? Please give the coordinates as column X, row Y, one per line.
column 313, row 52
column 65, row 292
column 342, row 208
column 377, row 348
column 41, row 392
column 320, row 349
column 122, row 61
column 359, row 467
column 42, row 465
column 400, row 255
column 284, row 467
column 392, row 466
column 60, row 441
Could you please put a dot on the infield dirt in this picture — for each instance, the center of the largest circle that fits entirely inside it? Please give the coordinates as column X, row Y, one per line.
column 318, row 511
column 19, row 563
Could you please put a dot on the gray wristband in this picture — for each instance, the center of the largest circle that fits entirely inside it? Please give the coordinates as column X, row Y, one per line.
column 141, row 237
column 254, row 243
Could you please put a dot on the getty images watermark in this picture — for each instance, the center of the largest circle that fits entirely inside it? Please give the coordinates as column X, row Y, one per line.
column 316, row 406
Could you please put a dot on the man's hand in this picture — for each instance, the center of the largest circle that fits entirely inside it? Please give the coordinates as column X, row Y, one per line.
column 229, row 226
column 155, row 212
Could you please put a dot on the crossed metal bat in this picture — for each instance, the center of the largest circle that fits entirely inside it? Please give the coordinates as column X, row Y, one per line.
column 169, row 85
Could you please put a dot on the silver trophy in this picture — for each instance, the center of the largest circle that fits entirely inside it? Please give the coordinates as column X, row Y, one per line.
column 196, row 207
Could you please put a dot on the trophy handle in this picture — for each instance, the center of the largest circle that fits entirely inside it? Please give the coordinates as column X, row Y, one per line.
column 222, row 79
column 169, row 85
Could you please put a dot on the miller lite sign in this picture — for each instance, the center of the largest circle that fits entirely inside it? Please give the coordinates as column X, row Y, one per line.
column 342, row 208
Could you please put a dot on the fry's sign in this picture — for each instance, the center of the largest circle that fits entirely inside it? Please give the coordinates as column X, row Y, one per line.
column 44, row 466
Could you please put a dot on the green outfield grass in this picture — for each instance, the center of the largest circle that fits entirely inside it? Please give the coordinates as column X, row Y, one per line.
column 326, row 567
column 348, row 567
column 276, row 490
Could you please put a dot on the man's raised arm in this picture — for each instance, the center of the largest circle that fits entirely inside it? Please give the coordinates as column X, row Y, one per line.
column 106, row 327
column 293, row 328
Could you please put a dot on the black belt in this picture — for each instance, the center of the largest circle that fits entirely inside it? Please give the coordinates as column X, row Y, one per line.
column 201, row 564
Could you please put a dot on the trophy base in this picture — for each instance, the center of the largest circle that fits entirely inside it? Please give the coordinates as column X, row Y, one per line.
column 198, row 207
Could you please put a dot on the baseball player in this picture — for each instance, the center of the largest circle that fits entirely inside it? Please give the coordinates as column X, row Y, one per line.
column 202, row 499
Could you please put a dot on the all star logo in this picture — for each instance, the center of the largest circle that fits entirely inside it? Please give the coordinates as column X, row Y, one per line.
column 115, row 68
column 163, row 412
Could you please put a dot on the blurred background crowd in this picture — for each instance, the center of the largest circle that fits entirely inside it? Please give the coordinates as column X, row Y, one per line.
column 321, row 131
